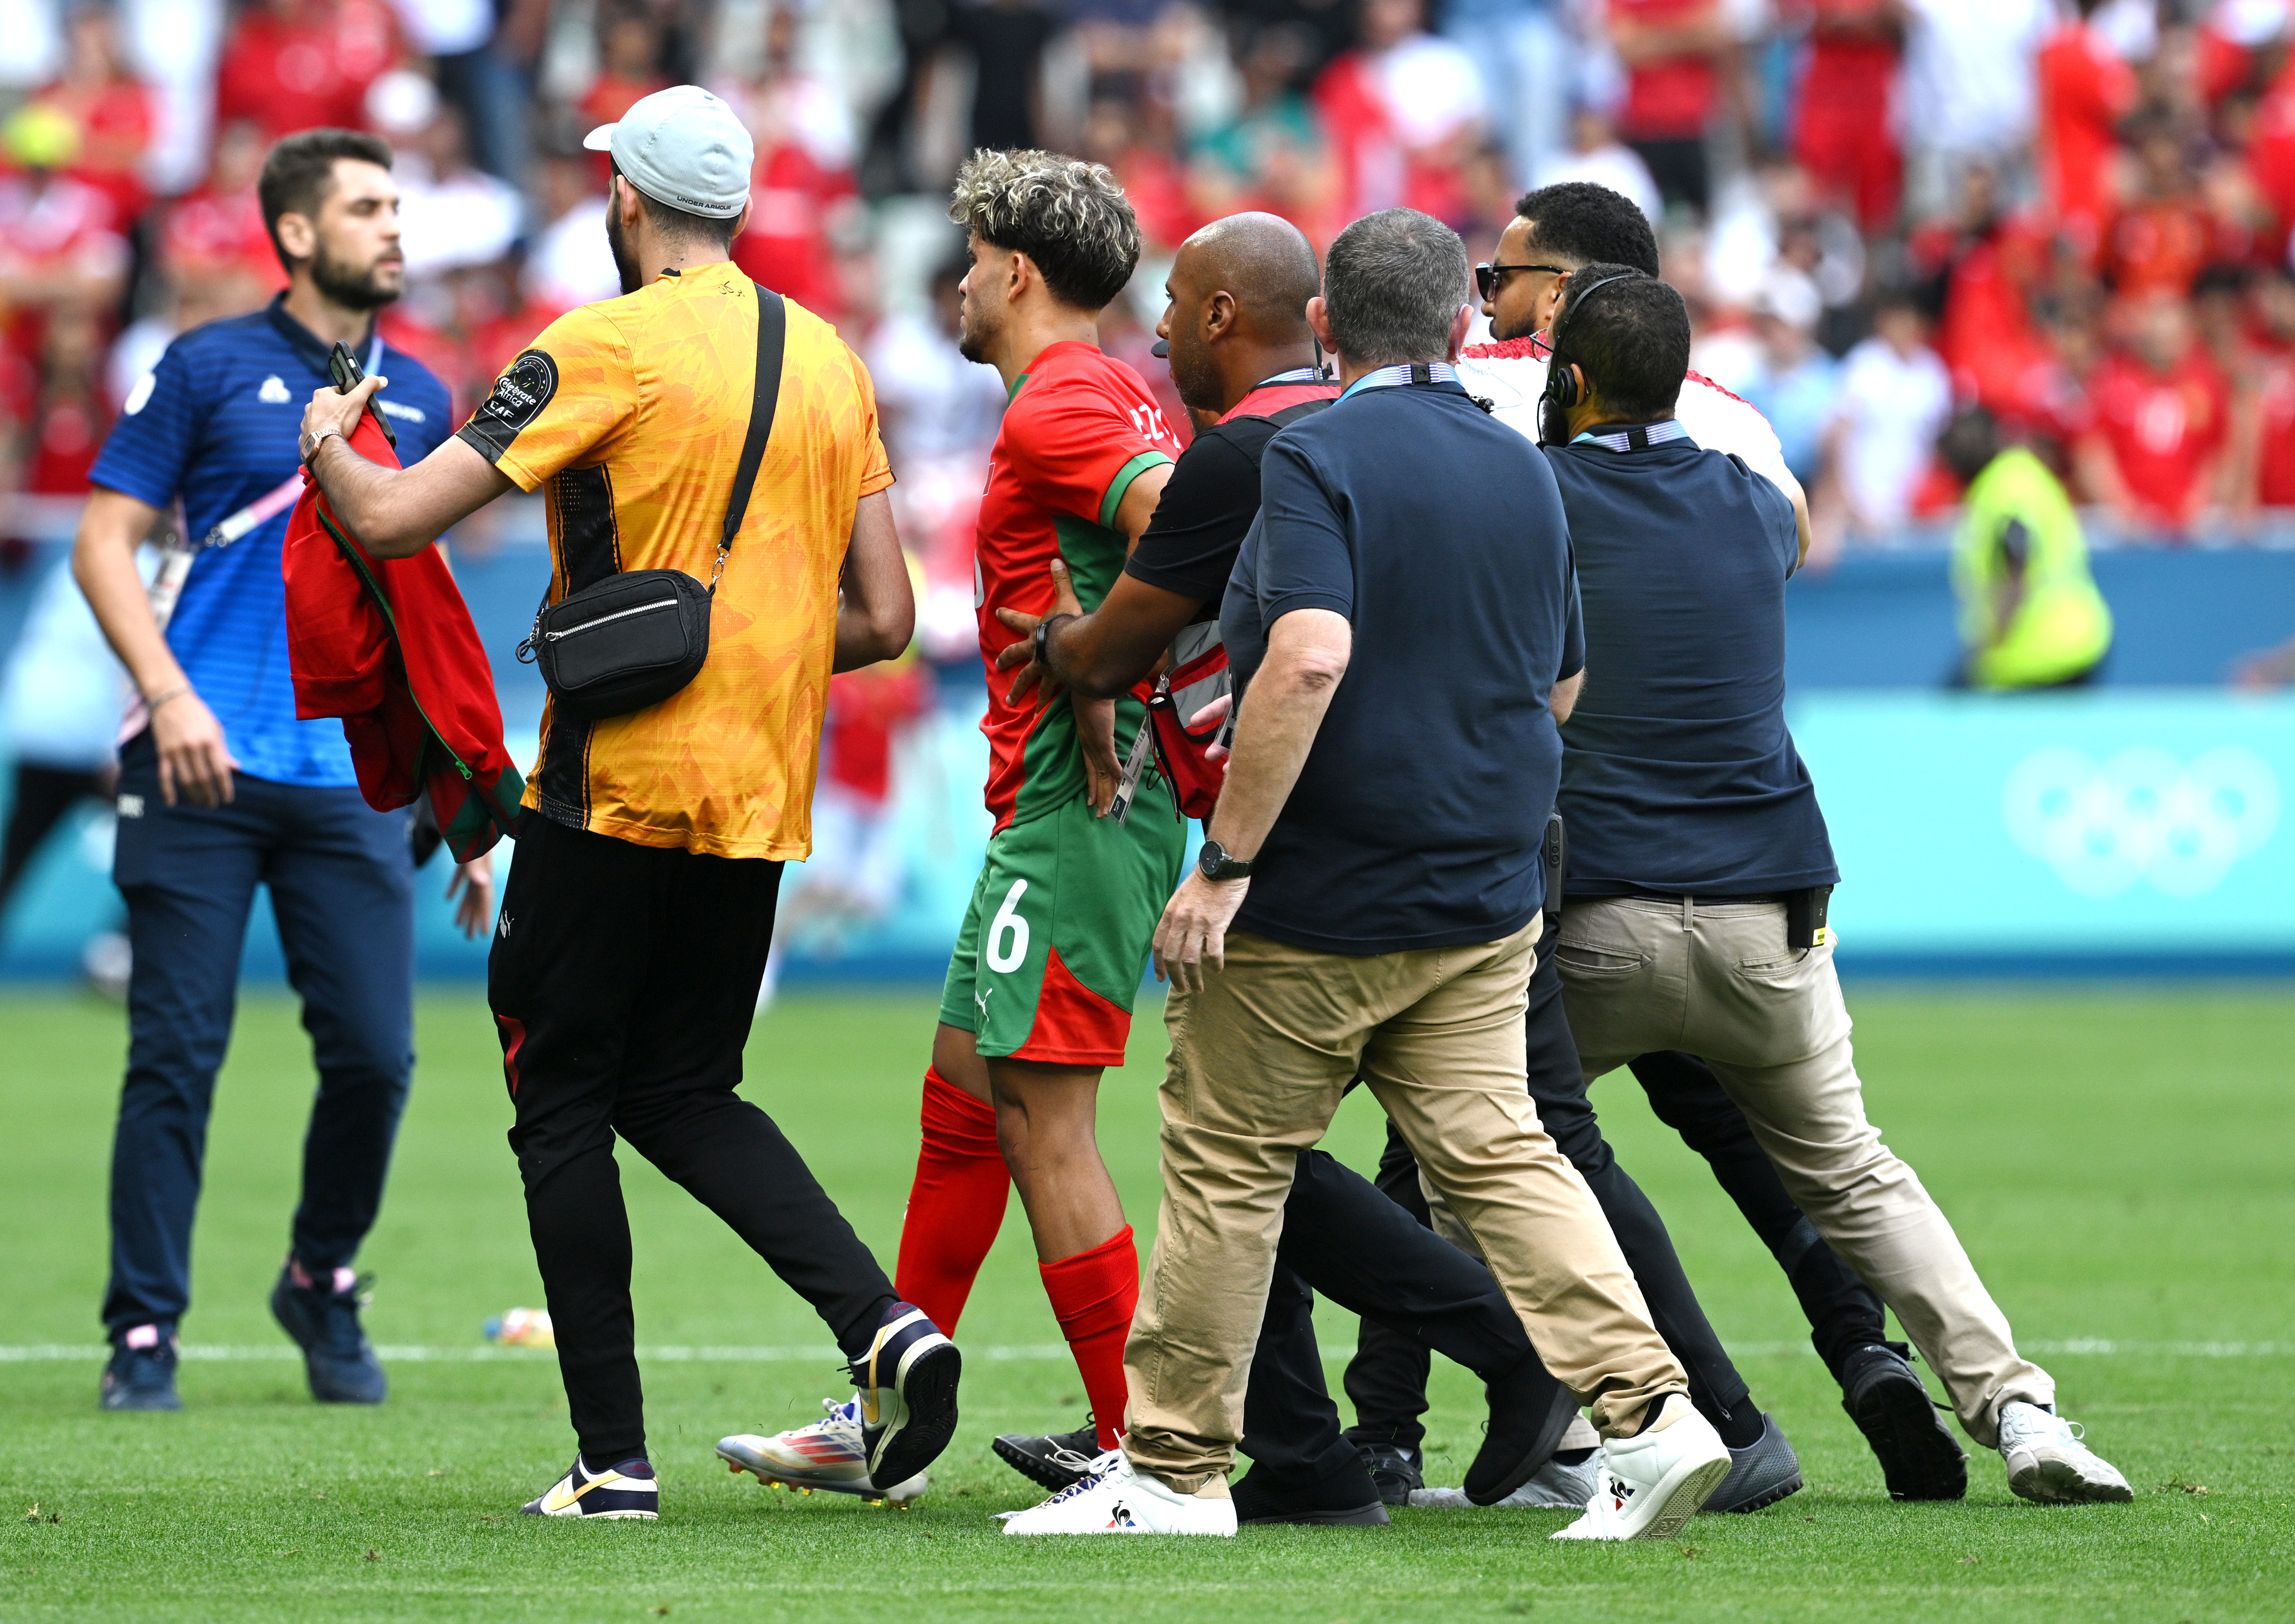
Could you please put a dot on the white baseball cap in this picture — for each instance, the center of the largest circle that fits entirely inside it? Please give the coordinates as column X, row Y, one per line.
column 683, row 147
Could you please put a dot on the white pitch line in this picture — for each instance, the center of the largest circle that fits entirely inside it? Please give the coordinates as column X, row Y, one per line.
column 483, row 1353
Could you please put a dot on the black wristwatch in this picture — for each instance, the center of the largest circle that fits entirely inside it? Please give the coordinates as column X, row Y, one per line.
column 1040, row 646
column 1214, row 863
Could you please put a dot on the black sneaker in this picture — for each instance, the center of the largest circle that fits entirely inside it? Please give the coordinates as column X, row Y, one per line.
column 1529, row 1411
column 907, row 1382
column 1920, row 1460
column 1761, row 1473
column 1394, row 1471
column 1350, row 1499
column 324, row 1323
column 624, row 1492
column 141, row 1378
column 1055, row 1460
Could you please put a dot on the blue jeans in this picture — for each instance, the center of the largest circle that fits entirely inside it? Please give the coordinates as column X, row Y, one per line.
column 342, row 889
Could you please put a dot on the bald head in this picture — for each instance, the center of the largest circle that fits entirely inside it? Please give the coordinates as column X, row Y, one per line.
column 1238, row 293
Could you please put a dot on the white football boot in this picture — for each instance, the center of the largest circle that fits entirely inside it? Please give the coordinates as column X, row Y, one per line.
column 1649, row 1485
column 2048, row 1463
column 1552, row 1486
column 830, row 1455
column 1115, row 1499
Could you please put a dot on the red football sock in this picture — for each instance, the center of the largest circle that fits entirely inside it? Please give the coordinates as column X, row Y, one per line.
column 1093, row 1294
column 955, row 1206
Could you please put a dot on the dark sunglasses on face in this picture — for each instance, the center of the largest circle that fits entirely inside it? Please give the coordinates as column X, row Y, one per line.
column 1486, row 276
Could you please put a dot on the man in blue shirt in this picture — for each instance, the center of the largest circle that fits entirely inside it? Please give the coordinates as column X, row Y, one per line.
column 1401, row 653
column 1699, row 860
column 222, row 788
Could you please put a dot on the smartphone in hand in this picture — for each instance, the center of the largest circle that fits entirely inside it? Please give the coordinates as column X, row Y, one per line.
column 343, row 366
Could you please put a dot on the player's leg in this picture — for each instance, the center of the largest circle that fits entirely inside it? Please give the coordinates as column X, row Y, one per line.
column 1772, row 1023
column 188, row 874
column 342, row 889
column 1303, row 1468
column 1385, row 1381
column 676, row 1104
column 1070, row 904
column 41, row 797
column 1046, row 1121
column 956, row 1203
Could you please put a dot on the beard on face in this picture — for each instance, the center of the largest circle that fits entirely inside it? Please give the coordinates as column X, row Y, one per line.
column 625, row 257
column 975, row 329
column 1195, row 378
column 352, row 286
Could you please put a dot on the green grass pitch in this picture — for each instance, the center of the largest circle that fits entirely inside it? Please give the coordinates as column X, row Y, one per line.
column 2118, row 1161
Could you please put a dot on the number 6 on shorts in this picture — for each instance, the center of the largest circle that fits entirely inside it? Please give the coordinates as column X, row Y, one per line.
column 1008, row 923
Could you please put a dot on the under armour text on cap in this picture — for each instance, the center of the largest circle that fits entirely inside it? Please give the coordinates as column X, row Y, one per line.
column 683, row 147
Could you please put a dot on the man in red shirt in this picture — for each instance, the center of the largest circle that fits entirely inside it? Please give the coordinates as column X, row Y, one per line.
column 1038, row 1000
column 2162, row 420
column 299, row 64
column 1840, row 128
column 1674, row 51
column 2085, row 90
column 2166, row 235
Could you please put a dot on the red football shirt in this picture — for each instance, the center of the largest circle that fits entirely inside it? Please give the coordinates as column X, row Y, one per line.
column 2274, row 472
column 1672, row 97
column 2162, row 431
column 1841, row 128
column 2084, row 91
column 1080, row 429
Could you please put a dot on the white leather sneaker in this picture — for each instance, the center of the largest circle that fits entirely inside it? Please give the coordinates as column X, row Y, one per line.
column 1115, row 1499
column 1650, row 1485
column 2048, row 1463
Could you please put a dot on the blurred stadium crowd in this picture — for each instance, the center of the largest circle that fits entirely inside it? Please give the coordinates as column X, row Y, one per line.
column 2076, row 215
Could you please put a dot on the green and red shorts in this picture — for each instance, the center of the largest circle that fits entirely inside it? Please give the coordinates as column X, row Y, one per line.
column 1056, row 939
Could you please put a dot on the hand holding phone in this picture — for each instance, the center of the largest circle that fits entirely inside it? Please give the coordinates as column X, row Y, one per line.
column 343, row 366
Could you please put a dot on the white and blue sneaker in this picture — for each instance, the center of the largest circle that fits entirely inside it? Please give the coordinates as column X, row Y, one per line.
column 1652, row 1483
column 625, row 1490
column 2048, row 1463
column 832, row 1454
column 1116, row 1499
column 907, row 1382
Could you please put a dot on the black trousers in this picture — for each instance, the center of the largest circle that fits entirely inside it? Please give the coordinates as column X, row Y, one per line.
column 1343, row 1237
column 42, row 795
column 1386, row 1380
column 623, row 980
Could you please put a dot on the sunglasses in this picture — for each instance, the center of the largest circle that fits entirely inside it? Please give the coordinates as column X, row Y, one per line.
column 1486, row 276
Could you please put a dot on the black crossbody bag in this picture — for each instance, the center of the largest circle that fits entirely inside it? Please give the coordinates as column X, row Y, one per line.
column 637, row 637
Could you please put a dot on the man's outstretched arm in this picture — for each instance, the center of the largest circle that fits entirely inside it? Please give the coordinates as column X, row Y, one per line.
column 394, row 512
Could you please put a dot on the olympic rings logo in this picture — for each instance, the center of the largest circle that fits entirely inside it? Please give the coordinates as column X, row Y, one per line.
column 2143, row 815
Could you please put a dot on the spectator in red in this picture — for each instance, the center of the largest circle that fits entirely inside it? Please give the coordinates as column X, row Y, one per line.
column 298, row 65
column 1404, row 112
column 114, row 111
column 2085, row 91
column 1152, row 180
column 2264, row 428
column 1675, row 52
column 1988, row 268
column 59, row 247
column 629, row 67
column 802, row 181
column 1840, row 128
column 67, row 427
column 2166, row 235
column 217, row 231
column 2155, row 456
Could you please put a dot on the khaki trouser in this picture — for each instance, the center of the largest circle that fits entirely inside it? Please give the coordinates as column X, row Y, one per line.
column 1716, row 980
column 1258, row 1062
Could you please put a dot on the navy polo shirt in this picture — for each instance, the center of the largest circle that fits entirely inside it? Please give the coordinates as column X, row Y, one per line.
column 1437, row 532
column 216, row 422
column 1678, row 774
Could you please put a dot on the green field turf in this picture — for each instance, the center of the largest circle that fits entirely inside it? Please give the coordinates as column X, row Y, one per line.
column 2117, row 1163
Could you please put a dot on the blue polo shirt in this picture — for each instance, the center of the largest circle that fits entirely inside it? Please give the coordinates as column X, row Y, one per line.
column 216, row 423
column 1678, row 774
column 1437, row 532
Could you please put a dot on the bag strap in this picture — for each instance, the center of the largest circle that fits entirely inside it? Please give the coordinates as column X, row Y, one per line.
column 773, row 341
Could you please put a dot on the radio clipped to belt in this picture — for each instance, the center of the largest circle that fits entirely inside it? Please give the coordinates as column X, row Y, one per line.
column 639, row 636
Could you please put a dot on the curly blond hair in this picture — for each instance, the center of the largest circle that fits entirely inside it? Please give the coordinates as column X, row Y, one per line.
column 1067, row 215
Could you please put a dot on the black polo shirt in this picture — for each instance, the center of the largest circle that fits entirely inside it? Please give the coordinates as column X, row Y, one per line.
column 1679, row 774
column 1437, row 532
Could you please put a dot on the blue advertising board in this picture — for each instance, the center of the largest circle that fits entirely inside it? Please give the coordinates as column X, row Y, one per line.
column 2119, row 829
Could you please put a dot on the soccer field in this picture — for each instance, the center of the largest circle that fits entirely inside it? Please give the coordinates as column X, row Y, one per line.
column 2118, row 1161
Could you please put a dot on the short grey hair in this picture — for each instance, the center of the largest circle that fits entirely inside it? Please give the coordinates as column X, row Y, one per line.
column 1069, row 217
column 1392, row 284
